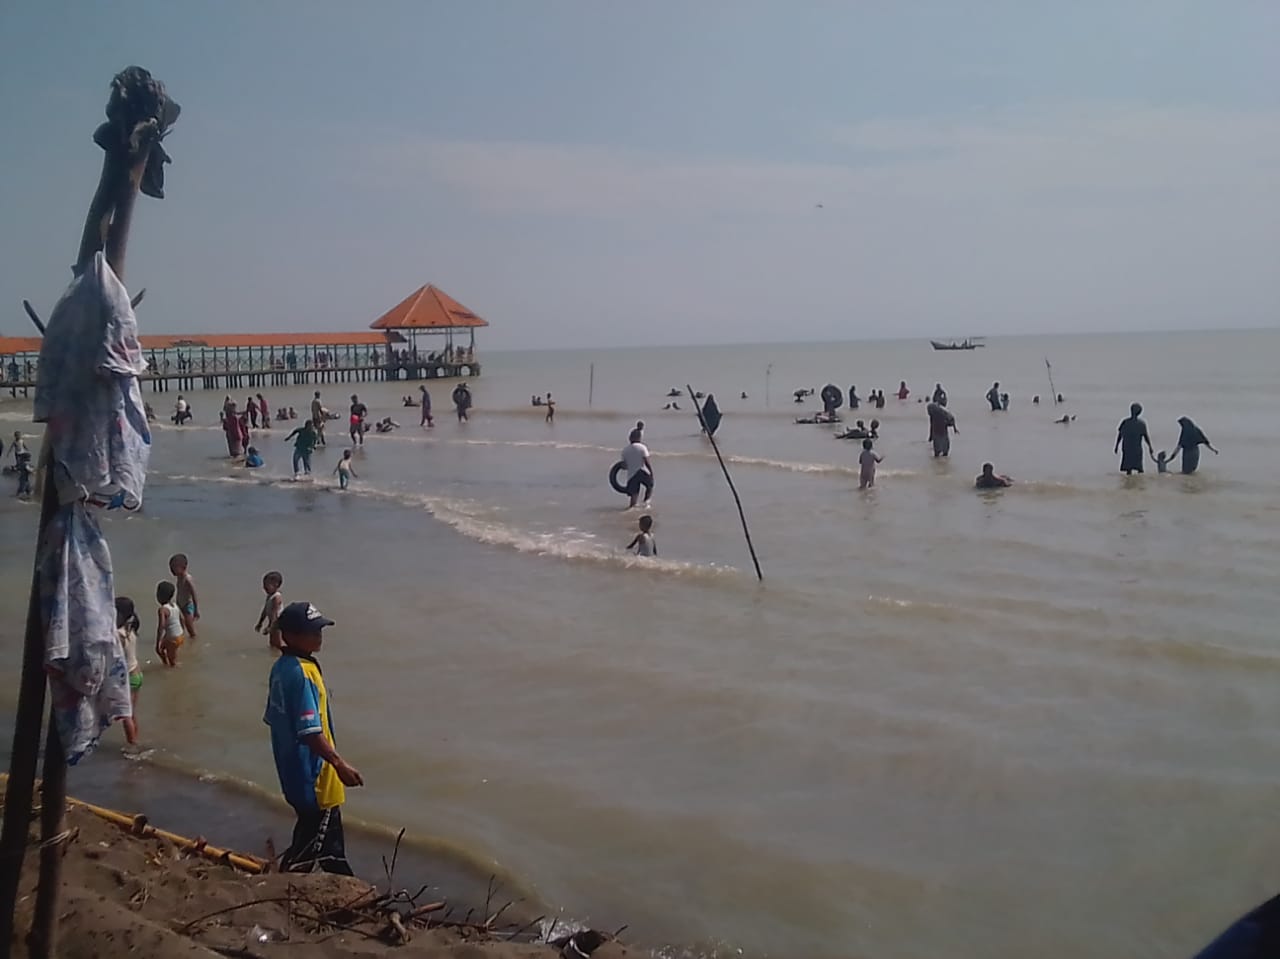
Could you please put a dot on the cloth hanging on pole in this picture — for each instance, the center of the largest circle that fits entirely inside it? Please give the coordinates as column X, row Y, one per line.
column 87, row 396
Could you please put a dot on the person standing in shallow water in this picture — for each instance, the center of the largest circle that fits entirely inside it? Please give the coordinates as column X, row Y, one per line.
column 425, row 404
column 993, row 397
column 462, row 402
column 1189, row 442
column 313, row 777
column 941, row 424
column 1129, row 439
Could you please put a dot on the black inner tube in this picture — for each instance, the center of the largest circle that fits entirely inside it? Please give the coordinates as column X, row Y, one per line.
column 832, row 397
column 618, row 467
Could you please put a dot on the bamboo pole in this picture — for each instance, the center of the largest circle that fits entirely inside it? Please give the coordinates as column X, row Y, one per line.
column 729, row 479
column 137, row 825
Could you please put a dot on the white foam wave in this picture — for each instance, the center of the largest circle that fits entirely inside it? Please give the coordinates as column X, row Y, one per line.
column 832, row 469
column 538, row 444
column 477, row 522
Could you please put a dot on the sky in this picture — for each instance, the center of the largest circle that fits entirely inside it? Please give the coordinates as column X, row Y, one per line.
column 599, row 173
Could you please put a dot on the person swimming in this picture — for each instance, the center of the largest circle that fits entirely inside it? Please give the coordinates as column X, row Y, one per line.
column 856, row 432
column 990, row 479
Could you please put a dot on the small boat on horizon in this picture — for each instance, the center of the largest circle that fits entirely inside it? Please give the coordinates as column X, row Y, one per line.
column 970, row 343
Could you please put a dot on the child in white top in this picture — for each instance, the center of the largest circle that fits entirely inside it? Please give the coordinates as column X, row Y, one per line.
column 266, row 624
column 644, row 544
column 169, row 634
column 867, row 461
column 344, row 470
column 127, row 625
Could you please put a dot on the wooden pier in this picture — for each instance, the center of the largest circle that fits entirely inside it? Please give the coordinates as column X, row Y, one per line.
column 203, row 363
column 231, row 361
column 226, row 380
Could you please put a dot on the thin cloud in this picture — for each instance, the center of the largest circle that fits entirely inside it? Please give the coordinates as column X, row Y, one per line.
column 1105, row 151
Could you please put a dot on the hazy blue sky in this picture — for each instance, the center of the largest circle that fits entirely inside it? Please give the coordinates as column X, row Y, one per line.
column 597, row 173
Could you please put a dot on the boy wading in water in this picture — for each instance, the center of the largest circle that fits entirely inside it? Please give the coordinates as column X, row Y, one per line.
column 644, row 544
column 302, row 448
column 427, row 419
column 317, row 419
column 169, row 634
column 344, row 470
column 867, row 460
column 188, row 605
column 358, row 412
column 312, row 774
column 639, row 469
column 268, row 622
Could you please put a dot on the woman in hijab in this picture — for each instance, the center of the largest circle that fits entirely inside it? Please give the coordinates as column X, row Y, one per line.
column 1189, row 443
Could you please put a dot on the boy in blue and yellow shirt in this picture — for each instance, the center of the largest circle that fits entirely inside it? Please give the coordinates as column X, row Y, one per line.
column 312, row 774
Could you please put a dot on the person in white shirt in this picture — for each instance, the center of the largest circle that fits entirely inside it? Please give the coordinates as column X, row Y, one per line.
column 639, row 469
column 181, row 411
column 644, row 544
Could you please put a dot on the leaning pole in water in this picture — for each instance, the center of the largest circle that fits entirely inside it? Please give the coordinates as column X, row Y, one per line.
column 139, row 114
column 697, row 407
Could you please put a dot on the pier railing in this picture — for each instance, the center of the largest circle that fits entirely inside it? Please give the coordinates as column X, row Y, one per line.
column 223, row 375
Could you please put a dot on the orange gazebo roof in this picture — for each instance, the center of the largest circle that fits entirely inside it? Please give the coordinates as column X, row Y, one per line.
column 428, row 308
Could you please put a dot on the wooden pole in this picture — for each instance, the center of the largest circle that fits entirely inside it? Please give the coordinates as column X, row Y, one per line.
column 732, row 489
column 26, row 731
column 591, row 385
column 35, row 318
column 106, row 228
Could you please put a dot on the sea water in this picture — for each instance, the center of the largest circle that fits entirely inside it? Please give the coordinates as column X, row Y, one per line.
column 1039, row 721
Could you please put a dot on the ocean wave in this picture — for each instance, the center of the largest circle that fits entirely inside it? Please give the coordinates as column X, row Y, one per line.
column 474, row 521
column 833, row 469
column 536, row 444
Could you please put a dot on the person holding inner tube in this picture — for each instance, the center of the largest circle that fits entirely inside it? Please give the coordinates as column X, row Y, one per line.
column 639, row 470
column 832, row 398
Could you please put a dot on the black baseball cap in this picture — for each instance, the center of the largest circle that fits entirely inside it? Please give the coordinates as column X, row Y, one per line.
column 302, row 618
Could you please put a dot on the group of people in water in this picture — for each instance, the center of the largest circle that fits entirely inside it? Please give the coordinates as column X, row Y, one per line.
column 1130, row 438
column 238, row 425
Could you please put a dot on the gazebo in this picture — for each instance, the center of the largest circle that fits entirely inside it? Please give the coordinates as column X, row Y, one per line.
column 431, row 311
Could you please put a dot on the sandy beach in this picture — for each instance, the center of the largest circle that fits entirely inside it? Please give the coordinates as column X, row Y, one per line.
column 128, row 895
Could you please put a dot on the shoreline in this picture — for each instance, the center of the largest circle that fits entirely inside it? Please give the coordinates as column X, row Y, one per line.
column 244, row 817
column 124, row 894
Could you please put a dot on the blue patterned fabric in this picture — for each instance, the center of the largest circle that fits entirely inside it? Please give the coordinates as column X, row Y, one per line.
column 97, row 445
